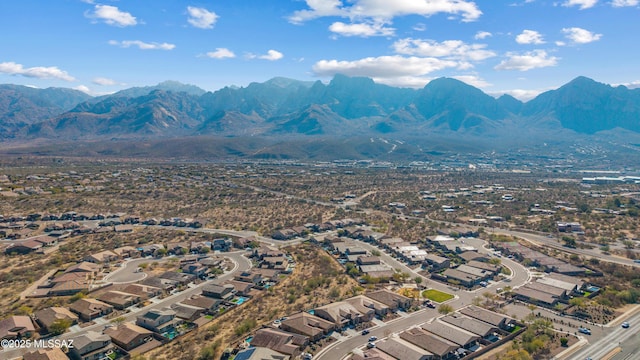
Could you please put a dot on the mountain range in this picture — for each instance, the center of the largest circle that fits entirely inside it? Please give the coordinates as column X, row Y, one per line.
column 299, row 111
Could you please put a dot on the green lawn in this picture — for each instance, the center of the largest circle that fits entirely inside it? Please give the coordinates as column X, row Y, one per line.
column 437, row 296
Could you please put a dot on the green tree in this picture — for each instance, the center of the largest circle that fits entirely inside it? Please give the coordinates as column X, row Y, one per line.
column 569, row 241
column 59, row 326
column 444, row 309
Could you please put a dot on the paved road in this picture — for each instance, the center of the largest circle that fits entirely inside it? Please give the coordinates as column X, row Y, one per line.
column 241, row 264
column 616, row 337
column 128, row 273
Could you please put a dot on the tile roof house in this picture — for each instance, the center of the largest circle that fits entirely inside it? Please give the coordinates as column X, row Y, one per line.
column 102, row 257
column 452, row 333
column 303, row 323
column 48, row 317
column 434, row 344
column 84, row 266
column 499, row 320
column 375, row 354
column 342, row 314
column 46, row 354
column 365, row 305
column 393, row 300
column 89, row 309
column 129, row 336
column 280, row 341
column 260, row 353
column 16, row 327
column 91, row 346
column 204, row 302
column 218, row 292
column 474, row 326
column 143, row 291
column 187, row 312
column 401, row 349
column 119, row 299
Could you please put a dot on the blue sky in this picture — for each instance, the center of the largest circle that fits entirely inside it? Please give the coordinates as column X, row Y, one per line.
column 521, row 47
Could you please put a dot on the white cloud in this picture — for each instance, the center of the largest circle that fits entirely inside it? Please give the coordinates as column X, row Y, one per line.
column 271, row 55
column 520, row 94
column 383, row 67
column 451, row 49
column 482, row 35
column 631, row 85
column 624, row 3
column 527, row 61
column 112, row 15
column 561, row 43
column 386, row 10
column 529, row 37
column 221, row 53
column 361, row 29
column 39, row 72
column 580, row 36
column 82, row 88
column 419, row 27
column 473, row 80
column 583, row 4
column 142, row 45
column 201, row 17
column 103, row 81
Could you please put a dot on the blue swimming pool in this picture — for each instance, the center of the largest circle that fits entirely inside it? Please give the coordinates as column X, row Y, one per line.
column 239, row 300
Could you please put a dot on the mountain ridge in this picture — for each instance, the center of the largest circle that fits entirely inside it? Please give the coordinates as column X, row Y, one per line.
column 344, row 107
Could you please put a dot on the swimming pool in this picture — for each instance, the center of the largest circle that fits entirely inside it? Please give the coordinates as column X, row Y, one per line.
column 239, row 300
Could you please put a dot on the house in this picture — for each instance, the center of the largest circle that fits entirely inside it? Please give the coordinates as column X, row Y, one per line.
column 143, row 291
column 23, row 247
column 491, row 268
column 71, row 287
column 119, row 299
column 535, row 297
column 16, row 327
column 436, row 345
column 365, row 305
column 91, row 346
column 473, row 256
column 209, row 304
column 498, row 320
column 311, row 326
column 159, row 321
column 556, row 292
column 284, row 234
column 456, row 335
column 368, row 260
column 250, row 277
column 342, row 314
column 221, row 244
column 260, row 353
column 46, row 354
column 129, row 336
column 89, row 309
column 401, row 349
column 223, row 292
column 195, row 269
column 569, row 227
column 127, row 252
column 436, row 263
column 84, row 267
column 102, row 257
column 241, row 288
column 187, row 312
column 46, row 318
column 180, row 278
column 281, row 341
column 150, row 250
column 471, row 325
column 463, row 278
column 392, row 300
column 164, row 284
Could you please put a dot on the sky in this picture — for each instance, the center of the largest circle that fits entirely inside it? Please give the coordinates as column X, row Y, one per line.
column 519, row 47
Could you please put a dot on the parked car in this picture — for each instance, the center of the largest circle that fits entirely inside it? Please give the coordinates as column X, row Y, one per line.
column 371, row 345
column 625, row 324
column 365, row 332
column 373, row 338
column 584, row 330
